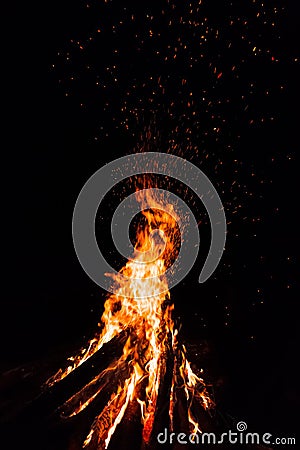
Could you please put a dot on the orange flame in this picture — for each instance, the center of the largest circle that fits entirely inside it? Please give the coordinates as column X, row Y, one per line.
column 147, row 318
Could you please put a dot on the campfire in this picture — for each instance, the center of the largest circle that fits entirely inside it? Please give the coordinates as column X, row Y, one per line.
column 152, row 358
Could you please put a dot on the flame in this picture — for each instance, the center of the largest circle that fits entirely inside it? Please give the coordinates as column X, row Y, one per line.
column 146, row 317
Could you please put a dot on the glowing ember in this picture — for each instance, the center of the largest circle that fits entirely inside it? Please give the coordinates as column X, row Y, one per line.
column 152, row 337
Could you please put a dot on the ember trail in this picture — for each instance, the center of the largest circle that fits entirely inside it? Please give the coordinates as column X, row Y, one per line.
column 151, row 338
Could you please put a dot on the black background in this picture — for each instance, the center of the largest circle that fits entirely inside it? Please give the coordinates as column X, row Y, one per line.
column 49, row 304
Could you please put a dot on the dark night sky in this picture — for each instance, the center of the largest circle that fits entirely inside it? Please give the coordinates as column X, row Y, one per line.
column 48, row 303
